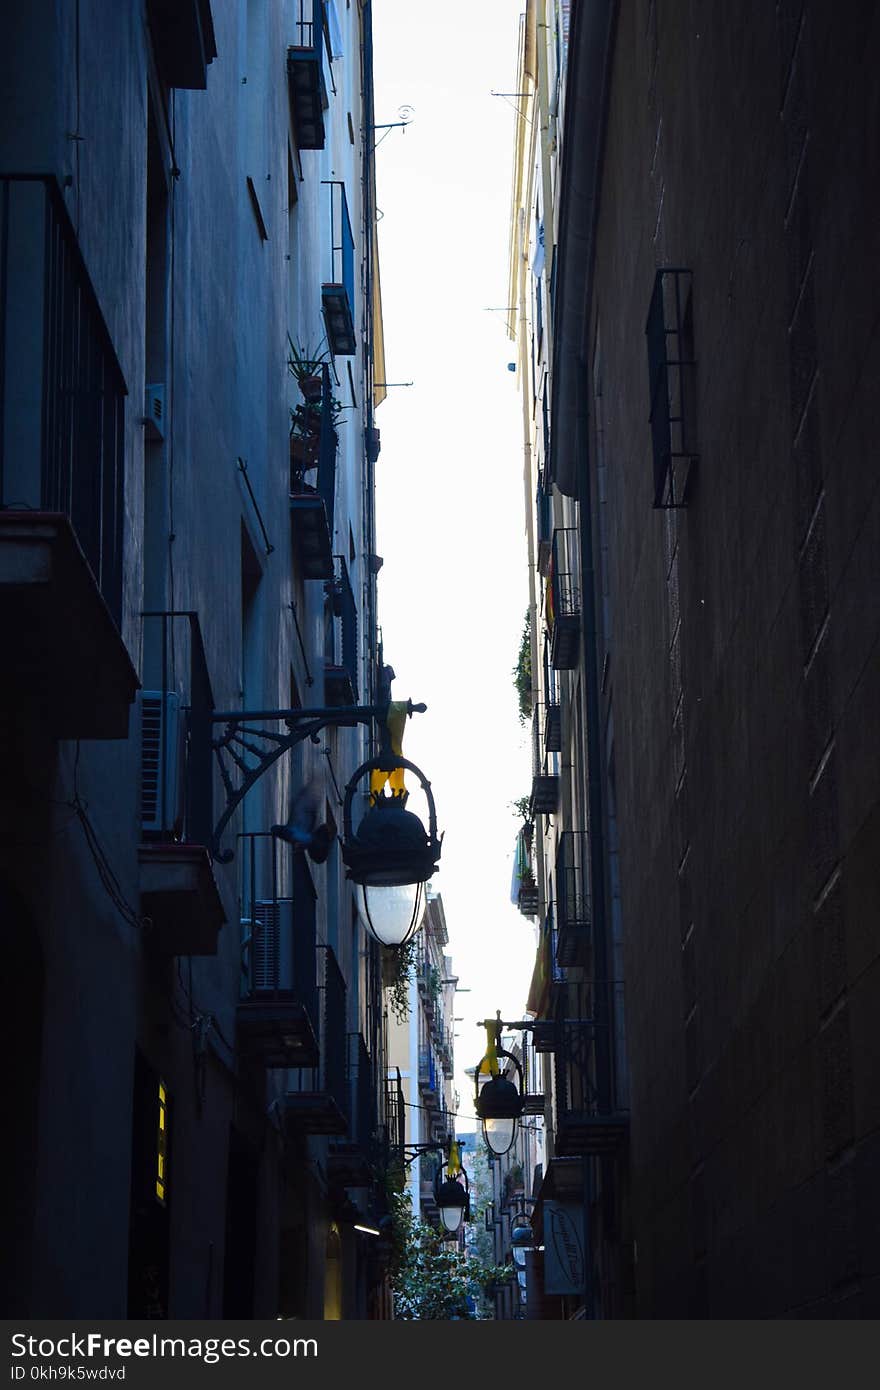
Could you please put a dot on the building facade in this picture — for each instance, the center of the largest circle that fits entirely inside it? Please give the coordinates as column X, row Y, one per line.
column 421, row 1053
column 187, row 221
column 703, row 508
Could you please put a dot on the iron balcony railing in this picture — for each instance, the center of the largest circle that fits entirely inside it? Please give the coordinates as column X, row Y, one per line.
column 278, row 1016
column 338, row 293
column 278, row 918
column 305, row 75
column 313, row 445
column 545, row 777
column 428, row 1080
column 544, row 524
column 340, row 671
column 671, row 374
column 176, row 704
column 63, row 392
column 573, row 921
column 317, row 1100
column 563, row 609
column 360, row 1107
column 395, row 1115
column 591, row 1095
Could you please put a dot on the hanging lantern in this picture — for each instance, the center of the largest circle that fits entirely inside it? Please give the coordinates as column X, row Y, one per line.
column 499, row 1101
column 392, row 856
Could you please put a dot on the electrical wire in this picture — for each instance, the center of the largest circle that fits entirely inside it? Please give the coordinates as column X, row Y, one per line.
column 106, row 874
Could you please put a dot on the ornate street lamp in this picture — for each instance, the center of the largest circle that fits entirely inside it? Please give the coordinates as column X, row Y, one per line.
column 521, row 1239
column 391, row 856
column 499, row 1101
column 452, row 1196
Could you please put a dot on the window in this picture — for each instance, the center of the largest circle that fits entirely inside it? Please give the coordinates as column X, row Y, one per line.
column 671, row 375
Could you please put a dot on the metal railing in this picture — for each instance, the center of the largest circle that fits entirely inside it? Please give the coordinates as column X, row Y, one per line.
column 572, row 881
column 395, row 1113
column 329, row 1077
column 344, row 652
column 277, row 900
column 588, row 1028
column 361, row 1091
column 565, row 584
column 671, row 372
column 342, row 242
column 308, row 24
column 544, row 523
column 61, row 384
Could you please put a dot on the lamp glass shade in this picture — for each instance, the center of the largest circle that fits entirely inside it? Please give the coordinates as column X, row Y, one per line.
column 451, row 1218
column 519, row 1256
column 391, row 911
column 499, row 1133
column 451, row 1199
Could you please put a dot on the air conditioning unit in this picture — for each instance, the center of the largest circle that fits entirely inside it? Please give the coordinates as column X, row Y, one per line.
column 271, row 946
column 161, row 762
column 154, row 411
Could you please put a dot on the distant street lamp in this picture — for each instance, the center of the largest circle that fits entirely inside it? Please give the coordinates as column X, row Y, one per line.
column 499, row 1101
column 452, row 1195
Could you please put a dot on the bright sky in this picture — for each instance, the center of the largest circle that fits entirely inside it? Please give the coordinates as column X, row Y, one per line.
column 450, row 524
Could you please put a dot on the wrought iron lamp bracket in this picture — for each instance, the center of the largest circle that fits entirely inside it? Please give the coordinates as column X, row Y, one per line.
column 244, row 752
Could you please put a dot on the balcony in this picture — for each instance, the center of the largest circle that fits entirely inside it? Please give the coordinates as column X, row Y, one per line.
column 305, row 75
column 183, row 41
column 573, row 922
column 278, row 1018
column 429, row 1082
column 552, row 727
column 316, row 1101
column 395, row 1117
column 544, row 525
column 179, row 894
column 61, row 476
column 350, row 1160
column 313, row 444
column 340, row 666
column 589, row 1118
column 525, row 890
column 564, row 600
column 672, row 377
column 337, row 294
column 544, row 800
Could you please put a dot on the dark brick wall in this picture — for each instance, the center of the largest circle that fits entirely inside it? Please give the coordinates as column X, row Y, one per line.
column 744, row 676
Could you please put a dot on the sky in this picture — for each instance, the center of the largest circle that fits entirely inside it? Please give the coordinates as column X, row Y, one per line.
column 453, row 590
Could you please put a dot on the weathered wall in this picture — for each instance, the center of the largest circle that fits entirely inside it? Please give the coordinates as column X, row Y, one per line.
column 743, row 672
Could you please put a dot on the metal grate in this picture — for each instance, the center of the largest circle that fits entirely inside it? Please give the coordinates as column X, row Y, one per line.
column 671, row 375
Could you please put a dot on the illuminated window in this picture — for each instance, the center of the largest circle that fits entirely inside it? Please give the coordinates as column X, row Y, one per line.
column 162, row 1146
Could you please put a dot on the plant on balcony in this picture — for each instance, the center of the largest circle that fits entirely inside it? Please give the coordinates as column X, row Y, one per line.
column 397, row 971
column 304, row 365
column 522, row 671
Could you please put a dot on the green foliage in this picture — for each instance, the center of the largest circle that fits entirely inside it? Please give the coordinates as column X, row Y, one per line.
column 522, row 671
column 431, row 1278
column 522, row 808
column 402, row 961
column 303, row 361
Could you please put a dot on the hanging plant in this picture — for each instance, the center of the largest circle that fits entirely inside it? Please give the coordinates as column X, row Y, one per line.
column 522, row 671
column 398, row 966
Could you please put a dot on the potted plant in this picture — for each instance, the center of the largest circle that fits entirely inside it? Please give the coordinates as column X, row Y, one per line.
column 305, row 366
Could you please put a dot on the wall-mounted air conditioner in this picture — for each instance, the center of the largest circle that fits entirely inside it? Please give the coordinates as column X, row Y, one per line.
column 271, row 946
column 161, row 762
column 154, row 411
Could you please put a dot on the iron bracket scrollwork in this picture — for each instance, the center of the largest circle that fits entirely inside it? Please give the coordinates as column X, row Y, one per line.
column 244, row 751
